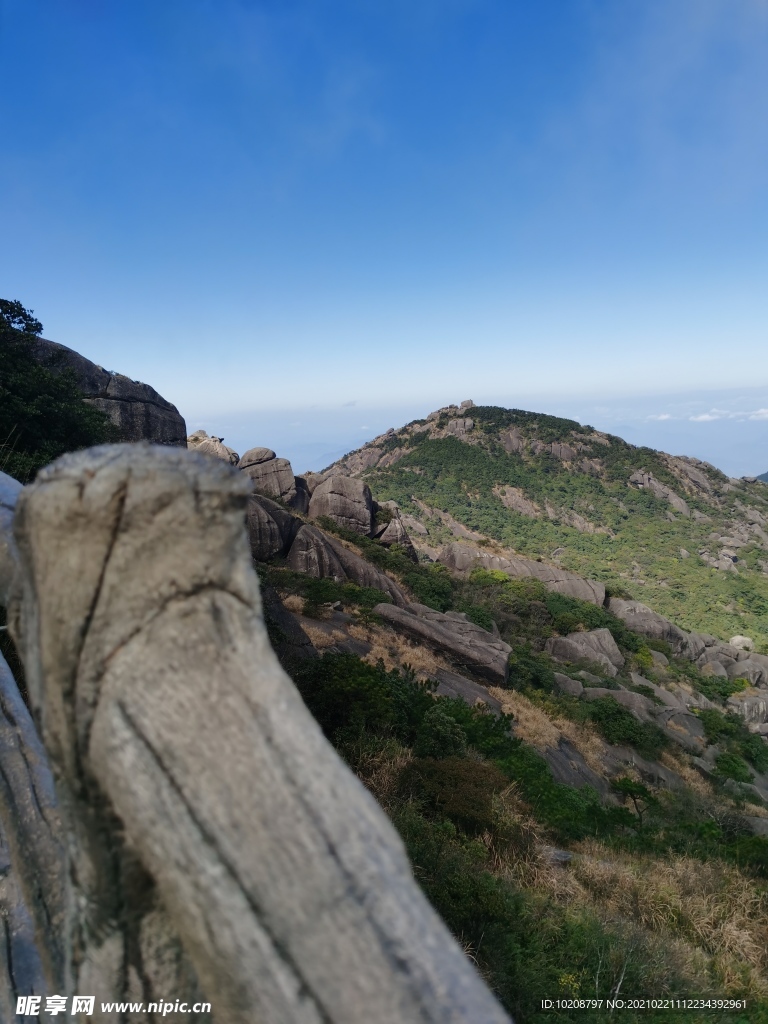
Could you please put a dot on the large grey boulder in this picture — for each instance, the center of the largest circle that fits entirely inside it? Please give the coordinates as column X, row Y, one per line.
column 641, row 707
column 682, row 728
column 395, row 533
column 201, row 442
column 10, row 490
column 569, row 767
column 316, row 554
column 752, row 671
column 136, row 409
column 465, row 557
column 660, row 692
column 596, row 646
column 451, row 634
column 255, row 457
column 312, row 554
column 642, row 619
column 571, row 687
column 275, row 477
column 287, row 524
column 714, row 668
column 450, row 684
column 751, row 705
column 744, row 643
column 646, row 481
column 196, row 791
column 345, row 500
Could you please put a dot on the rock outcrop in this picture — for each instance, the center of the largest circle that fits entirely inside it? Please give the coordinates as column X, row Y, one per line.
column 450, row 684
column 596, row 646
column 395, row 532
column 464, row 557
column 643, row 620
column 274, row 477
column 271, row 529
column 647, row 482
column 751, row 705
column 677, row 723
column 316, row 554
column 345, row 500
column 136, row 409
column 32, row 859
column 451, row 633
column 201, row 442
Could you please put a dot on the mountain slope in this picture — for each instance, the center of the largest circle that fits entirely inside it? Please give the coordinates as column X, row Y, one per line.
column 673, row 532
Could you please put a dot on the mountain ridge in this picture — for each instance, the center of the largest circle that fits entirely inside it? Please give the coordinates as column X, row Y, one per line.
column 672, row 531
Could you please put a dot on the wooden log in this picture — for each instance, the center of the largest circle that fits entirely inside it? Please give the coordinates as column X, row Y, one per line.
column 177, row 739
column 28, row 835
column 32, row 838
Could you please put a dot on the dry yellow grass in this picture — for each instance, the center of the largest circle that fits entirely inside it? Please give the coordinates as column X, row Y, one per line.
column 534, row 726
column 380, row 769
column 322, row 639
column 692, row 778
column 294, row 603
column 711, row 908
column 396, row 652
column 531, row 724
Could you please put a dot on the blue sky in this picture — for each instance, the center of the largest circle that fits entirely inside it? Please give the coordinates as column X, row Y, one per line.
column 272, row 210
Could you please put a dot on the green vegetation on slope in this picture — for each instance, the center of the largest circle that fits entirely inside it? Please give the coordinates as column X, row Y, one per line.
column 473, row 806
column 641, row 545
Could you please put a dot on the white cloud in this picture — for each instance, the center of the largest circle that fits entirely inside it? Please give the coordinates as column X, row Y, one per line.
column 725, row 414
column 661, row 416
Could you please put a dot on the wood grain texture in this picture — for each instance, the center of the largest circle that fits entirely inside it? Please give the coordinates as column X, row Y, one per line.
column 31, row 858
column 192, row 776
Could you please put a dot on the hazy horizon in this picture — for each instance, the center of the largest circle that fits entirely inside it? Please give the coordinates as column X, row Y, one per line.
column 726, row 429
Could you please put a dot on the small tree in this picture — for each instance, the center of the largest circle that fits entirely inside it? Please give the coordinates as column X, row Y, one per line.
column 641, row 797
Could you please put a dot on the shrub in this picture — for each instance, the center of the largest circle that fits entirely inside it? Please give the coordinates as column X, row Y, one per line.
column 349, row 697
column 456, row 788
column 755, row 750
column 619, row 726
column 527, row 668
column 718, row 726
column 731, row 766
column 439, row 735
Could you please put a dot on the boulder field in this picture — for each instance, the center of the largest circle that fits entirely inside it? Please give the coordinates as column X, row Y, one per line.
column 286, row 515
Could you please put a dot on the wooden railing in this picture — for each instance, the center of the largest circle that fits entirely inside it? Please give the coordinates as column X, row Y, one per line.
column 202, row 841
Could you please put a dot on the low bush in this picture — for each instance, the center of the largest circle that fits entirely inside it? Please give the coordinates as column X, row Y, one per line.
column 619, row 726
column 456, row 788
column 731, row 766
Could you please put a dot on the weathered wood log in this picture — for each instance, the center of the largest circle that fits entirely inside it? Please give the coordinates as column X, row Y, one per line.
column 21, row 972
column 193, row 779
column 33, row 838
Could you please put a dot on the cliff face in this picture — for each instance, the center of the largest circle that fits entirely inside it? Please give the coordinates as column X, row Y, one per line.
column 136, row 409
